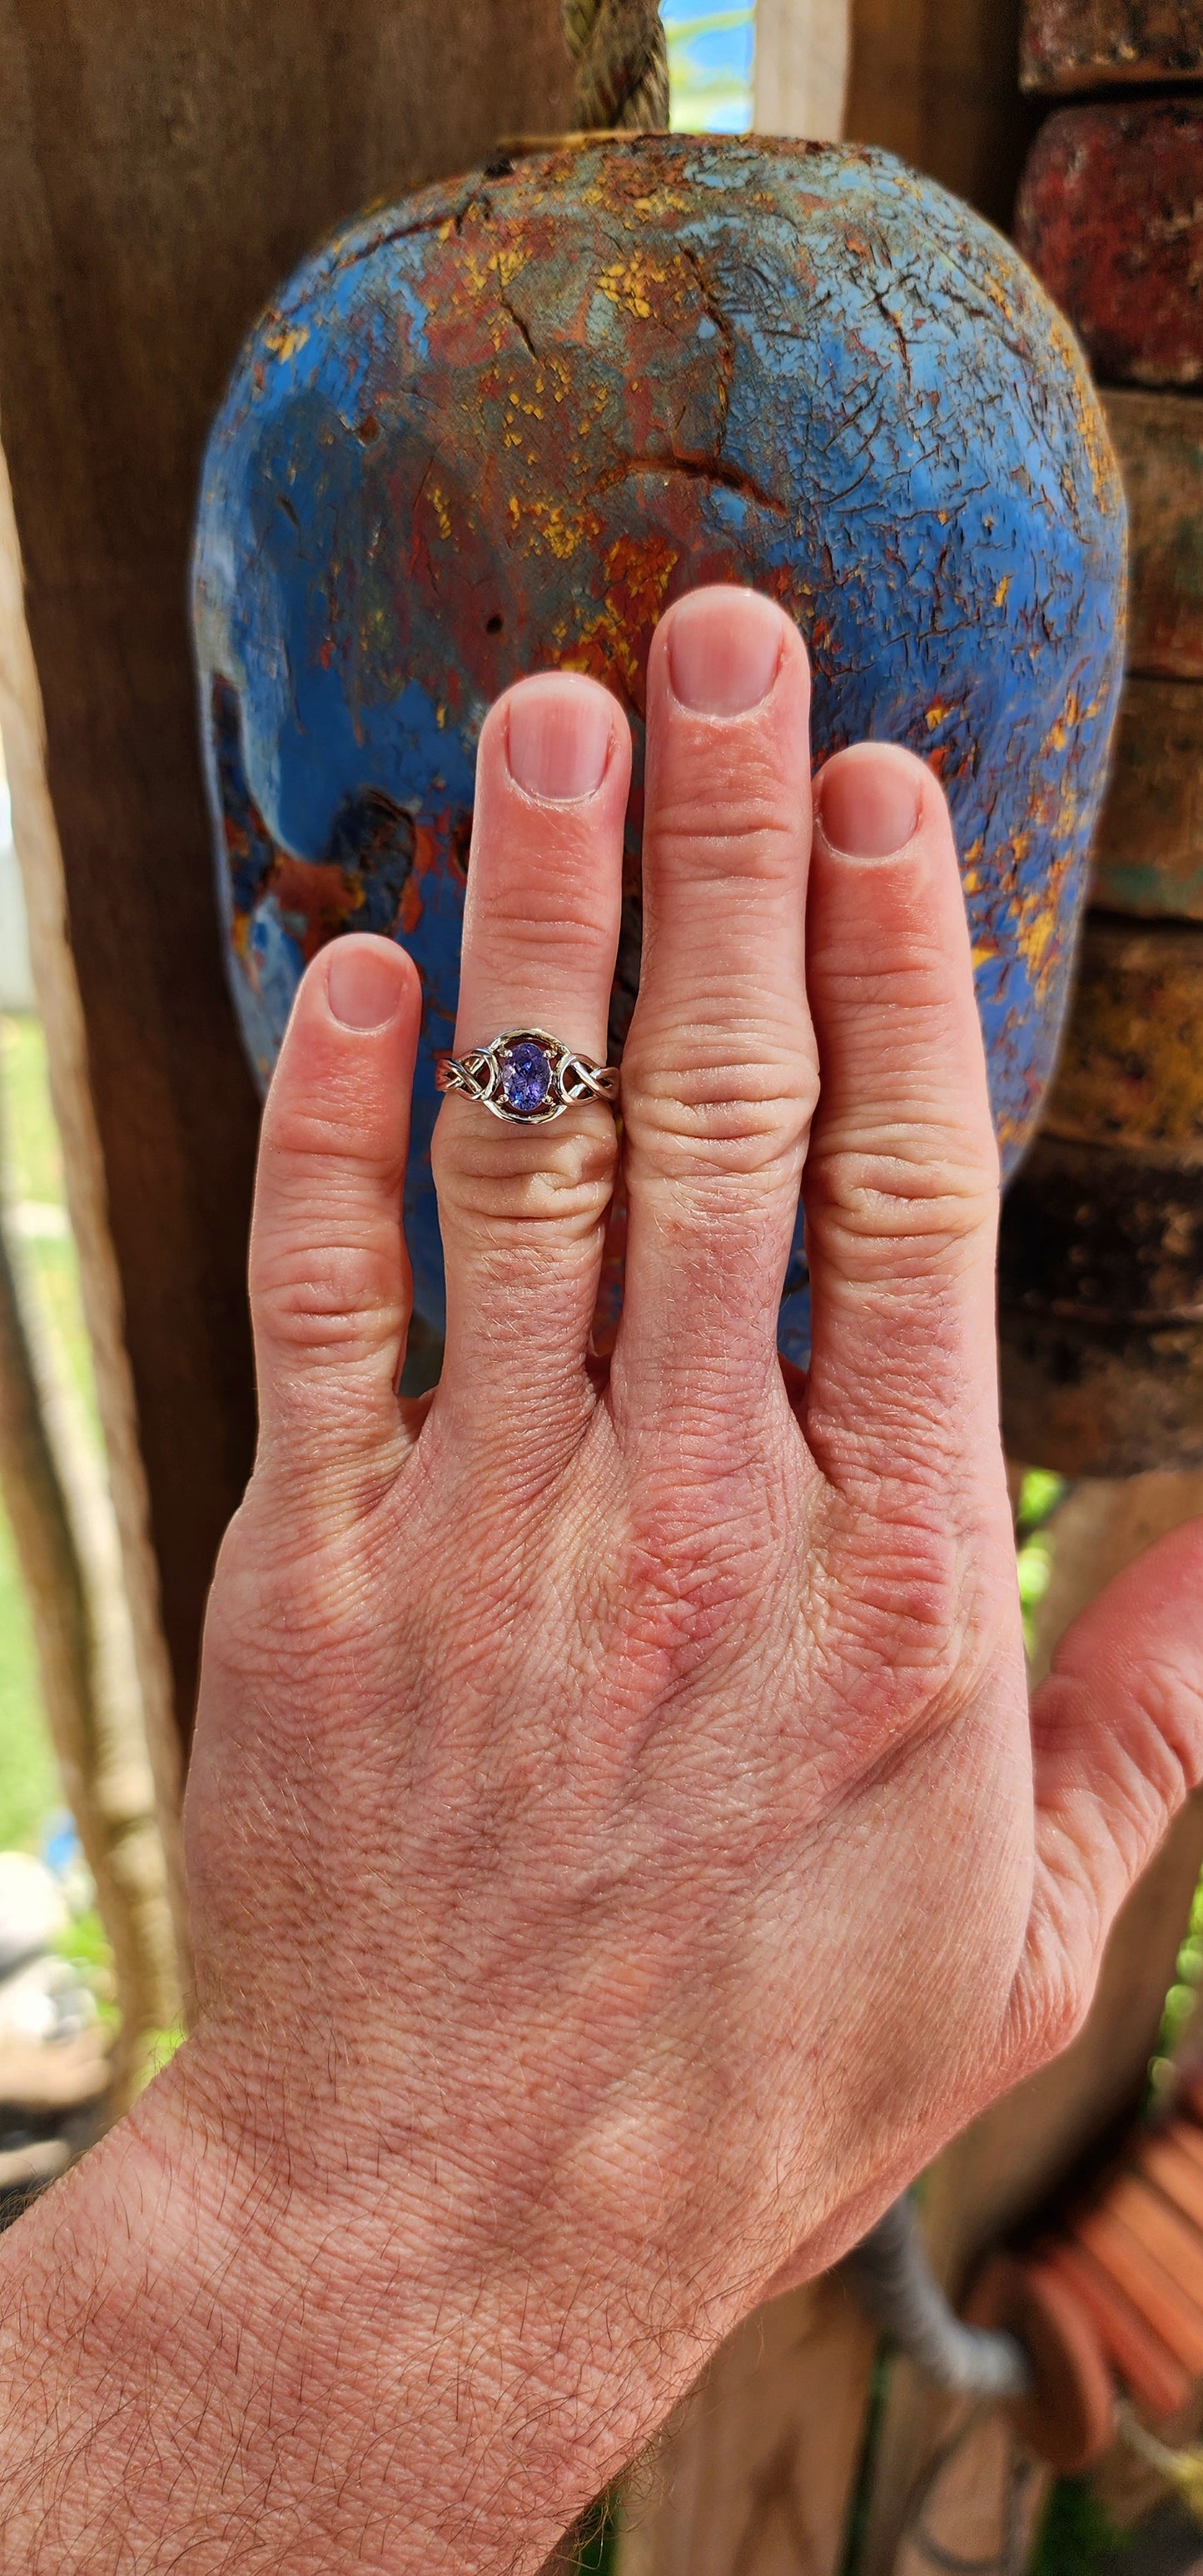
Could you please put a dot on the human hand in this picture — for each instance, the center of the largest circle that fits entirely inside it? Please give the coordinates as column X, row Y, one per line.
column 619, row 1853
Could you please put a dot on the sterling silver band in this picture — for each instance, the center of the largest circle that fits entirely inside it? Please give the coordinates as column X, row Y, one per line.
column 527, row 1076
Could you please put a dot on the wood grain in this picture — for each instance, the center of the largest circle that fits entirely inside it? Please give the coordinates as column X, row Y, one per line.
column 754, row 2474
column 163, row 163
column 1158, row 439
column 1080, row 44
column 801, row 68
column 133, row 1650
column 937, row 81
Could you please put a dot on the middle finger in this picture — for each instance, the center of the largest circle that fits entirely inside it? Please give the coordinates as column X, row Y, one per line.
column 719, row 1071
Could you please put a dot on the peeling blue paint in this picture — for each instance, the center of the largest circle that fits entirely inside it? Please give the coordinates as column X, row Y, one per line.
column 505, row 424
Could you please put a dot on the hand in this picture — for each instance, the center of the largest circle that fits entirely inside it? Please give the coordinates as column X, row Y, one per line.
column 616, row 1857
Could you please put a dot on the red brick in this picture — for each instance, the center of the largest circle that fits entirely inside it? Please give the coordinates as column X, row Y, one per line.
column 1079, row 44
column 1110, row 216
column 1159, row 442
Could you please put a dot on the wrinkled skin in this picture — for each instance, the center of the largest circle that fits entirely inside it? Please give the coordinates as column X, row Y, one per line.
column 620, row 1851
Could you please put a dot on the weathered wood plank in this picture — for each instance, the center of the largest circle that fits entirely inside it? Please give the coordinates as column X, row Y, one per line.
column 935, row 80
column 1148, row 854
column 57, row 988
column 1110, row 216
column 1080, row 44
column 1159, row 443
column 801, row 69
column 981, row 2506
column 753, row 2476
column 162, row 166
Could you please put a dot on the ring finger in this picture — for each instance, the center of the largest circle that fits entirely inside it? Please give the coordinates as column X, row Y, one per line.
column 523, row 1209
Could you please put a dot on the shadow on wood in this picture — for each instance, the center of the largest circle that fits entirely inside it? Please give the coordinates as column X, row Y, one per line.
column 162, row 166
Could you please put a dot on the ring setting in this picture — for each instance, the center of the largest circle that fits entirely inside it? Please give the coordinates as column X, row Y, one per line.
column 527, row 1076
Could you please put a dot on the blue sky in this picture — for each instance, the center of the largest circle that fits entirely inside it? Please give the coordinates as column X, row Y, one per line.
column 710, row 61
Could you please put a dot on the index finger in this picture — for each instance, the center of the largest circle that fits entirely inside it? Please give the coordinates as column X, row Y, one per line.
column 901, row 1181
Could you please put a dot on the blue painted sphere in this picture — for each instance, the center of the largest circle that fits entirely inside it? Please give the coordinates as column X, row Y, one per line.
column 504, row 424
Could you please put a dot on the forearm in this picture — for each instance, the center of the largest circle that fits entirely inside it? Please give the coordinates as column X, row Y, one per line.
column 187, row 2378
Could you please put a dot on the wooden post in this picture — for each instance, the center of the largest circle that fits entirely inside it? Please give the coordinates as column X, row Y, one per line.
column 801, row 71
column 139, row 1667
column 755, row 2473
column 937, row 81
column 162, row 165
column 51, row 1486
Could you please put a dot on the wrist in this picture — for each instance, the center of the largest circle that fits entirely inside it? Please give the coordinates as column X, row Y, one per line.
column 317, row 2373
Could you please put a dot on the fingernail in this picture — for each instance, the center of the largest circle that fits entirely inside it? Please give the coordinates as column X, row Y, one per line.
column 868, row 802
column 723, row 650
column 559, row 736
column 363, row 986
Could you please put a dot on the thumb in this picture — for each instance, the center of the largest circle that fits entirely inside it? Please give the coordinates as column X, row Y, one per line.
column 329, row 1277
column 1117, row 1743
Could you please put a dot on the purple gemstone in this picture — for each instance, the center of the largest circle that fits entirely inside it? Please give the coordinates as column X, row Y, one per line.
column 525, row 1076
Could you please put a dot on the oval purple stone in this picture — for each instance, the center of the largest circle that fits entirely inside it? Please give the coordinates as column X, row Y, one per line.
column 525, row 1076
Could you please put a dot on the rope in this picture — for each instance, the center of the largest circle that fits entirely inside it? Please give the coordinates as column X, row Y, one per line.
column 621, row 63
column 896, row 2283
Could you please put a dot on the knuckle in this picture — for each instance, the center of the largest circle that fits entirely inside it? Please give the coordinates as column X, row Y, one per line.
column 1168, row 1695
column 564, row 927
column 908, row 1197
column 693, row 1560
column 338, row 1131
column 911, row 1629
column 910, row 971
column 711, row 839
column 337, row 1298
column 499, row 1180
column 741, row 1107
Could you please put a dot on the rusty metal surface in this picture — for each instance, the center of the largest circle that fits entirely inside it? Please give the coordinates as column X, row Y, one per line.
column 1079, row 44
column 1101, row 1253
column 1148, row 852
column 507, row 422
column 1110, row 214
column 1105, row 1235
column 1100, row 1399
column 1158, row 439
column 1131, row 1070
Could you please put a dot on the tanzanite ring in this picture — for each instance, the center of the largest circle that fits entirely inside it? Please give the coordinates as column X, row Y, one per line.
column 527, row 1076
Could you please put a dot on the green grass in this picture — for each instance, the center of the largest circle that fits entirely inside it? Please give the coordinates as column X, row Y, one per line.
column 1034, row 1561
column 599, row 2541
column 1076, row 2536
column 30, row 1789
column 31, row 1166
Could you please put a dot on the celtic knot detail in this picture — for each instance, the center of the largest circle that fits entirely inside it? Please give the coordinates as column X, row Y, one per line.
column 527, row 1076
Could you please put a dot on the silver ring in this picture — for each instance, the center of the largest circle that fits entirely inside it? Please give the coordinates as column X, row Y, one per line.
column 528, row 1076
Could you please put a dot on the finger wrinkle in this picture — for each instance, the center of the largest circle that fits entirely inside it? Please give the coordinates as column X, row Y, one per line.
column 701, row 849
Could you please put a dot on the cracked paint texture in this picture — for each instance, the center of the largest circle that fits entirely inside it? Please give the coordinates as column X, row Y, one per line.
column 505, row 424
